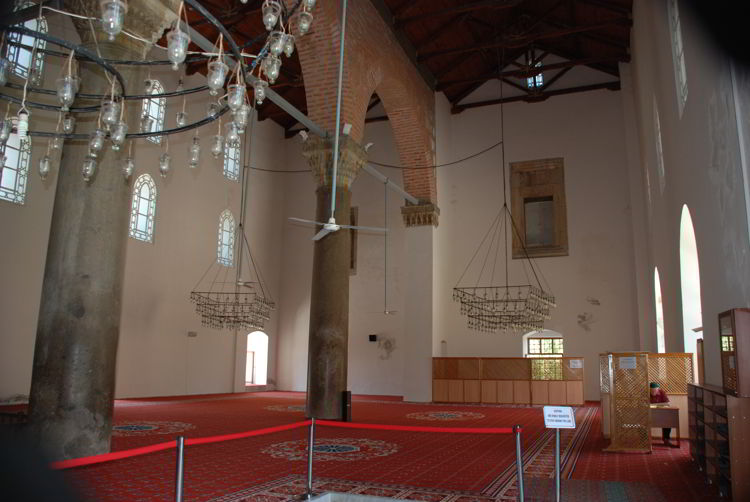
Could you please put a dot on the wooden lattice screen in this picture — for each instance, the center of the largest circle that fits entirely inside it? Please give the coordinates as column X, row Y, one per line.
column 506, row 368
column 630, row 430
column 672, row 371
column 604, row 385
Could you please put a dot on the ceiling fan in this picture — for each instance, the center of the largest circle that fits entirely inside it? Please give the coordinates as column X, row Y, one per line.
column 331, row 226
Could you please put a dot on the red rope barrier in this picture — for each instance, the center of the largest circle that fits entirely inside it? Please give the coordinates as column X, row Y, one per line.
column 414, row 428
column 240, row 435
column 117, row 455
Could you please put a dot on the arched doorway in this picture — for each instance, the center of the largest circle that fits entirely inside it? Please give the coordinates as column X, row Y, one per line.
column 661, row 345
column 690, row 283
column 256, row 366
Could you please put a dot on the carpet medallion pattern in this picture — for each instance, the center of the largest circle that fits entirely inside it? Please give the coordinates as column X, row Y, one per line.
column 445, row 415
column 142, row 428
column 335, row 449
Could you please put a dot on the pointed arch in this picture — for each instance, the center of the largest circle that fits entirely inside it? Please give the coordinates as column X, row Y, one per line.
column 661, row 345
column 690, row 284
column 225, row 248
column 143, row 209
column 155, row 109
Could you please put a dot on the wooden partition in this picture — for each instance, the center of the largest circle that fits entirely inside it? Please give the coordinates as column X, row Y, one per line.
column 508, row 380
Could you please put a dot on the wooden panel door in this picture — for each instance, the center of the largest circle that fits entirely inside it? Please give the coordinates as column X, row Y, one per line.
column 440, row 391
column 455, row 391
column 558, row 392
column 505, row 392
column 574, row 395
column 472, row 392
column 489, row 391
column 521, row 392
column 539, row 392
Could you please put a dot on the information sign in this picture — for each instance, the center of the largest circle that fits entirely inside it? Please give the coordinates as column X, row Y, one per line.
column 559, row 417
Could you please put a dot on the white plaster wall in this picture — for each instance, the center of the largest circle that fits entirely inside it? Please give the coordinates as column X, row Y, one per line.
column 155, row 355
column 587, row 131
column 703, row 169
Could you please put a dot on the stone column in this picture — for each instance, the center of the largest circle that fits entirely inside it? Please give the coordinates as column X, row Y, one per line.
column 420, row 221
column 329, row 299
column 73, row 377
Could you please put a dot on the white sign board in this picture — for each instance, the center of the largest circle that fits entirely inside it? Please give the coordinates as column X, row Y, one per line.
column 627, row 363
column 575, row 364
column 559, row 417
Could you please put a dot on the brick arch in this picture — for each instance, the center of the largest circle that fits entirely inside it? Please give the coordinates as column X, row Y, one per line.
column 375, row 63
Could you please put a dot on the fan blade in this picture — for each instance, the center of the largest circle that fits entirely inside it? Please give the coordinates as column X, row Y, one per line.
column 323, row 232
column 370, row 229
column 300, row 220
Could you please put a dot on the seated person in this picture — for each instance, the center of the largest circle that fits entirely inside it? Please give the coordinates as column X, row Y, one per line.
column 658, row 396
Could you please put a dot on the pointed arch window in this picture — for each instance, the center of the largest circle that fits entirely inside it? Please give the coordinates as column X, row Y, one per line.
column 143, row 209
column 232, row 162
column 155, row 108
column 15, row 169
column 19, row 48
column 678, row 54
column 225, row 251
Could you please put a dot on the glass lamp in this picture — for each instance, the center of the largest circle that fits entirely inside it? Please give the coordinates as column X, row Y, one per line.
column 271, row 11
column 240, row 117
column 118, row 135
column 128, row 168
column 44, row 167
column 67, row 87
column 177, row 44
column 288, row 45
column 68, row 123
column 213, row 109
column 181, row 119
column 110, row 113
column 89, row 167
column 276, row 43
column 309, row 4
column 217, row 73
column 194, row 153
column 259, row 87
column 217, row 146
column 96, row 143
column 236, row 96
column 113, row 16
column 4, row 69
column 165, row 163
column 271, row 66
column 304, row 22
column 232, row 136
column 5, row 126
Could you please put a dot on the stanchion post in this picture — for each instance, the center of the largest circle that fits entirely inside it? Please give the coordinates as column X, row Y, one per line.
column 310, row 447
column 519, row 462
column 180, row 468
column 557, row 465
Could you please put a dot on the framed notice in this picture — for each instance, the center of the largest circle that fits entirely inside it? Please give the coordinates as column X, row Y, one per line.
column 575, row 364
column 626, row 363
column 559, row 417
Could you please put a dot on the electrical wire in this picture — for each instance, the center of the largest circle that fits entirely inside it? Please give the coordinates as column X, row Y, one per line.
column 439, row 165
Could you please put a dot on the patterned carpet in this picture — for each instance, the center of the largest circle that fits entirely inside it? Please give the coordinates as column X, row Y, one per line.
column 408, row 465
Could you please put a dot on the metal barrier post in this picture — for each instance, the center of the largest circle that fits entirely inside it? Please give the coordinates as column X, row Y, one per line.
column 180, row 467
column 519, row 462
column 310, row 446
column 557, row 465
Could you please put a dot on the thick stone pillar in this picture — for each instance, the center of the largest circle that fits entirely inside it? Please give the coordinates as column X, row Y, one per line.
column 420, row 221
column 73, row 378
column 329, row 299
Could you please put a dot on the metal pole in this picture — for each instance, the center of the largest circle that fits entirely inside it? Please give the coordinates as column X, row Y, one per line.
column 310, row 446
column 180, row 467
column 519, row 462
column 338, row 110
column 557, row 465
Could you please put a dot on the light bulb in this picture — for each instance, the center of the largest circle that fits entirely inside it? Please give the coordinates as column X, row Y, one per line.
column 128, row 168
column 23, row 124
column 217, row 146
column 304, row 22
column 236, row 96
column 181, row 119
column 68, row 124
column 96, row 143
column 5, row 126
column 232, row 136
column 113, row 16
column 89, row 167
column 213, row 109
column 110, row 113
column 217, row 73
column 165, row 163
column 276, row 43
column 67, row 87
column 271, row 10
column 240, row 117
column 259, row 87
column 177, row 43
column 4, row 69
column 118, row 135
column 44, row 167
column 194, row 153
column 288, row 45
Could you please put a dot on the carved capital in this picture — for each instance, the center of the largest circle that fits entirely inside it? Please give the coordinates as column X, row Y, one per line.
column 319, row 154
column 422, row 214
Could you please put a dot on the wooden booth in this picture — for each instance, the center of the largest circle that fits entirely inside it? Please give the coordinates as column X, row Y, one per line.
column 628, row 418
column 508, row 380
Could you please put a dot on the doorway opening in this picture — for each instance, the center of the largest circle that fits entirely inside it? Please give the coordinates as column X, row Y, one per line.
column 256, row 365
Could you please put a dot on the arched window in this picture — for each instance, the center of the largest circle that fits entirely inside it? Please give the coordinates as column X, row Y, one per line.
column 143, row 209
column 659, row 149
column 15, row 169
column 18, row 53
column 256, row 365
column 155, row 108
column 690, row 284
column 678, row 54
column 225, row 251
column 232, row 162
column 661, row 345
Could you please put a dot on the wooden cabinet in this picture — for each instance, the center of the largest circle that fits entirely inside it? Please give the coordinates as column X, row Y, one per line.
column 734, row 344
column 719, row 426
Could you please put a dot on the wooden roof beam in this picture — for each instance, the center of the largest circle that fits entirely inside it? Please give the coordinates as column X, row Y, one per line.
column 466, row 7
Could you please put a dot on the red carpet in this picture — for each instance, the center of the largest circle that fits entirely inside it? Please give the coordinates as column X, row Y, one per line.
column 415, row 465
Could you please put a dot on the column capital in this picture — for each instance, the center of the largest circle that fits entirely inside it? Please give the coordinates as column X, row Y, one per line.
column 319, row 154
column 422, row 214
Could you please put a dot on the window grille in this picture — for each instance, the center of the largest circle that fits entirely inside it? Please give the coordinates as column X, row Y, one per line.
column 20, row 49
column 155, row 109
column 143, row 209
column 225, row 251
column 15, row 169
column 232, row 162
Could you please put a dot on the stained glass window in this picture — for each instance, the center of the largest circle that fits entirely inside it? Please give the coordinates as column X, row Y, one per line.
column 15, row 169
column 20, row 48
column 225, row 251
column 143, row 209
column 155, row 109
column 232, row 162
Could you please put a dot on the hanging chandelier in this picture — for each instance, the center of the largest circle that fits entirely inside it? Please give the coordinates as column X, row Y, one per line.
column 504, row 307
